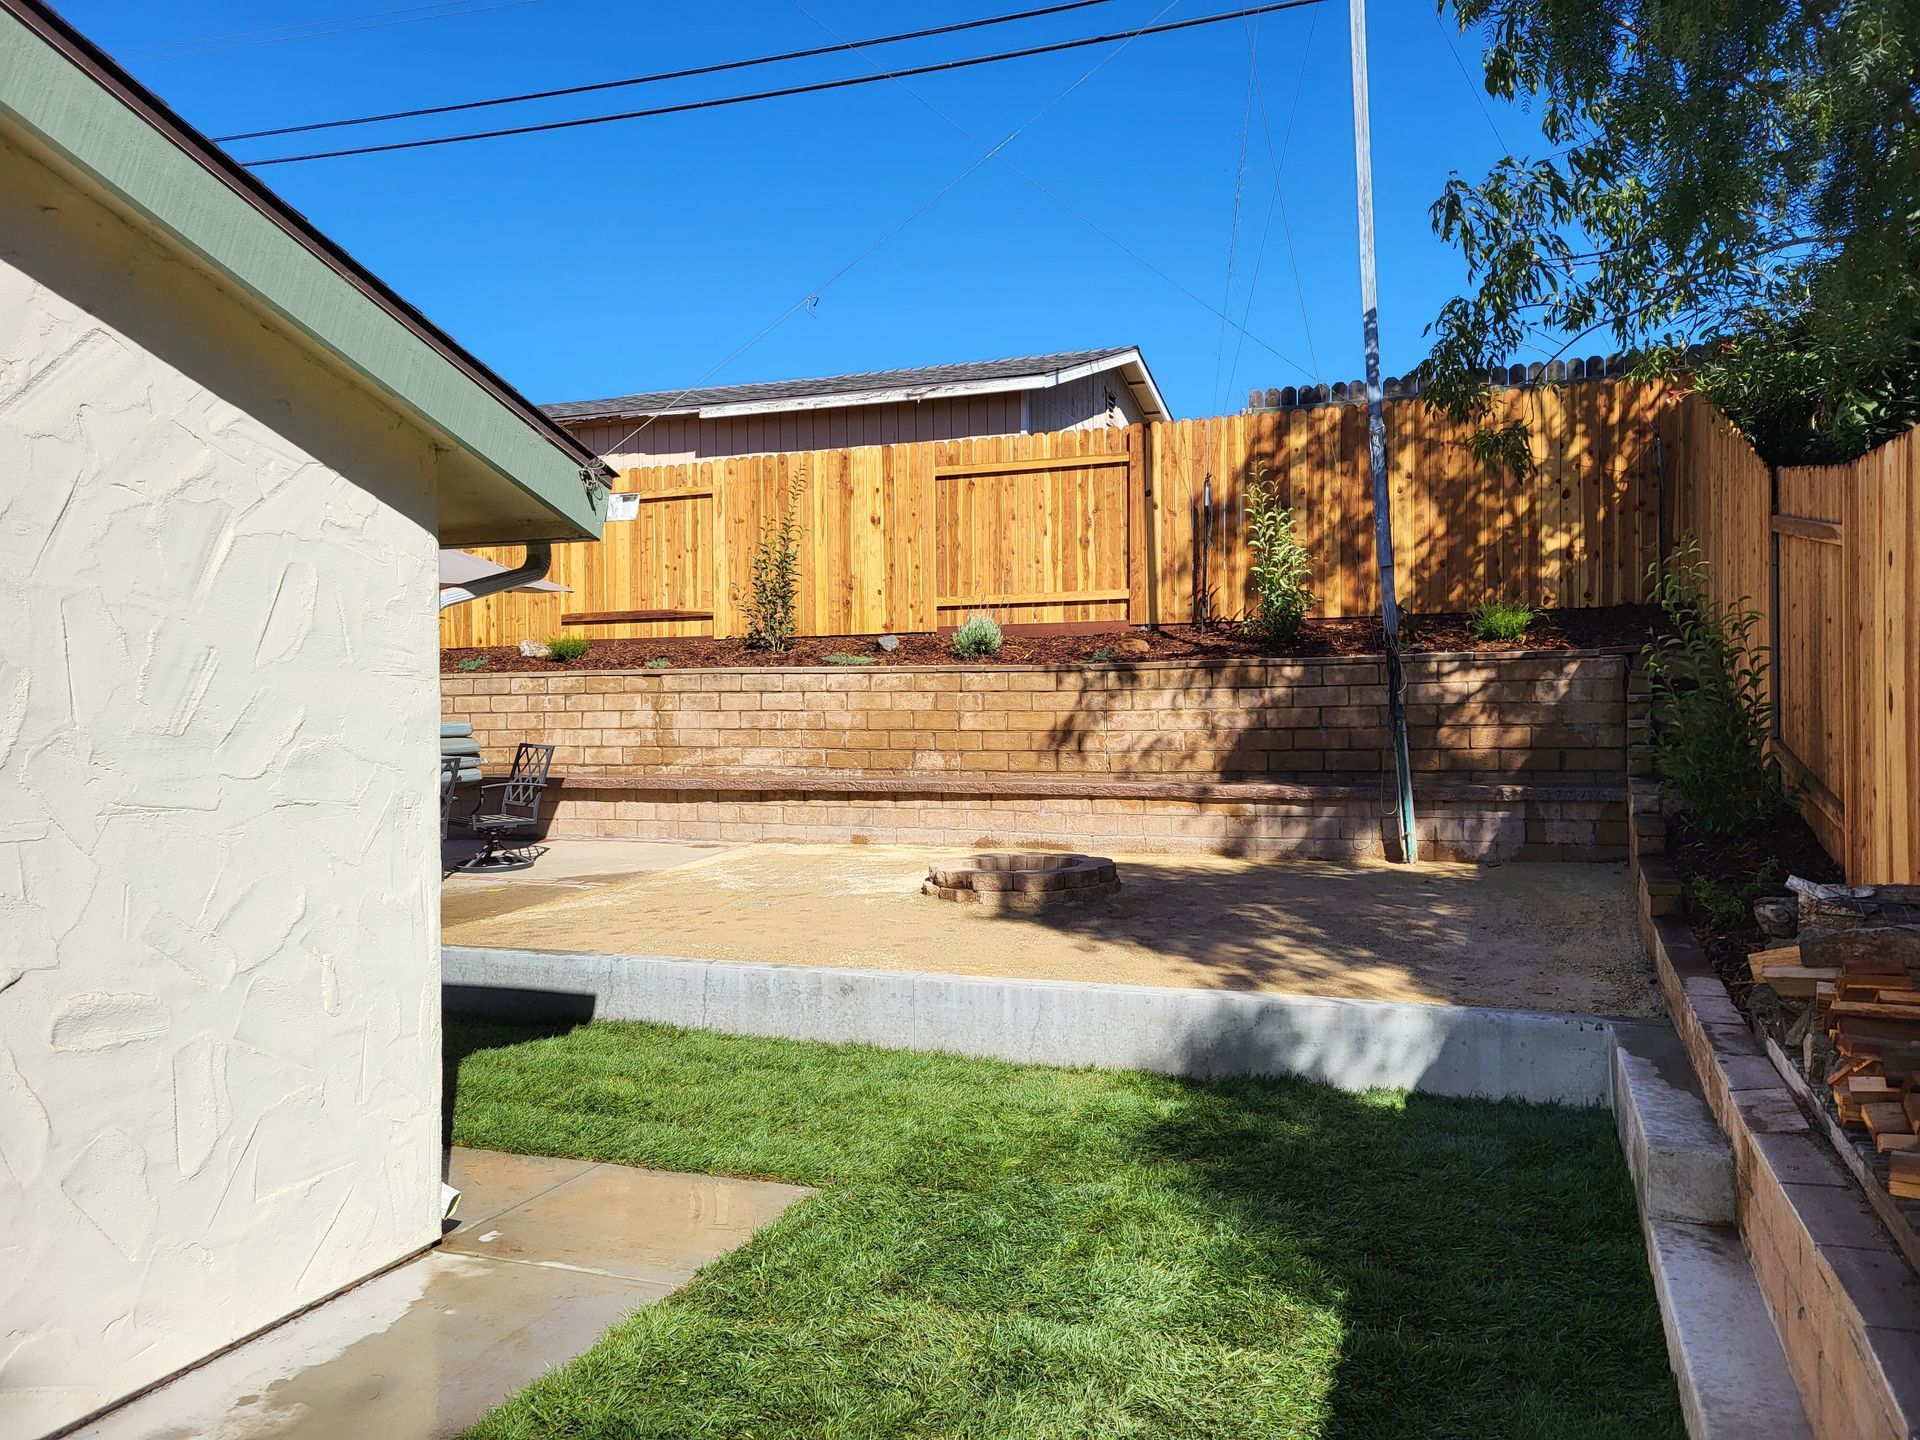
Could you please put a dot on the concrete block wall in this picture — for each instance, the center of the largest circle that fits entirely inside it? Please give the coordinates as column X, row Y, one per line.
column 1338, row 827
column 1027, row 755
column 1551, row 717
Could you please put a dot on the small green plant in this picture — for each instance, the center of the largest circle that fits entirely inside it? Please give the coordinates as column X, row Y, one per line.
column 1500, row 619
column 979, row 636
column 1730, row 907
column 851, row 659
column 1711, row 718
column 1102, row 656
column 474, row 662
column 1281, row 565
column 567, row 647
column 772, row 618
column 658, row 662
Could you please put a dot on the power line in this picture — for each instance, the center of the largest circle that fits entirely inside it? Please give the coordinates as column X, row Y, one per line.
column 1239, row 190
column 812, row 296
column 1278, row 159
column 1125, row 36
column 1089, row 221
column 1478, row 97
column 314, row 29
column 663, row 75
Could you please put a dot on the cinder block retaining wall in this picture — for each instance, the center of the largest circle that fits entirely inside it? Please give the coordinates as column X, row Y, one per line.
column 1519, row 756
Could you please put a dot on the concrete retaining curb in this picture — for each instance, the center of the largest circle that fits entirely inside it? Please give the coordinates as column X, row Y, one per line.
column 1349, row 1044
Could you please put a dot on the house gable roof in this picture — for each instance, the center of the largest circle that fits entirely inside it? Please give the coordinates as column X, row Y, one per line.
column 70, row 97
column 879, row 387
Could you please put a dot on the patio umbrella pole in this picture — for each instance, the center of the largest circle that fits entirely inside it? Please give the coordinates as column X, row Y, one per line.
column 1377, row 436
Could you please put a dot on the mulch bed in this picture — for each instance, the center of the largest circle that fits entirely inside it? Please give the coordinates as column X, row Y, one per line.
column 1618, row 625
column 1787, row 844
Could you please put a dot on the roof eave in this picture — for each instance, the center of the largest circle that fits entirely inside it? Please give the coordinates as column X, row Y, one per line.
column 76, row 102
column 1133, row 366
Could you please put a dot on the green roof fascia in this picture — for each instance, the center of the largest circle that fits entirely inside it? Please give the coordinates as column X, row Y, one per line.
column 55, row 99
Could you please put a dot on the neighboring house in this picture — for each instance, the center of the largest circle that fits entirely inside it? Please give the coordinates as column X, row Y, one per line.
column 228, row 461
column 1077, row 390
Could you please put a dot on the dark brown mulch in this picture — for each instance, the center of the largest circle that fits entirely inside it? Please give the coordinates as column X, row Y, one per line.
column 1551, row 630
column 1788, row 845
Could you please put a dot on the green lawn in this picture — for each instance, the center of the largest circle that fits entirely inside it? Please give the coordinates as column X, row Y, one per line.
column 1006, row 1251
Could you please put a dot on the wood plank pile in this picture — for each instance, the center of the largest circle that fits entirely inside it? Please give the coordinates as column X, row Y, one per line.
column 1864, row 986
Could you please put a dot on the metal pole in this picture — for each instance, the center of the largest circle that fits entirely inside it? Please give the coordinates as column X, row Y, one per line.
column 1377, row 435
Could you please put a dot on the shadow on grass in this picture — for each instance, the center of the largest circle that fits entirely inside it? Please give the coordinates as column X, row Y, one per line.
column 1013, row 1251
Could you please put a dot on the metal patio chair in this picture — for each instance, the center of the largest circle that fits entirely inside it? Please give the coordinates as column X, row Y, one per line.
column 449, row 783
column 507, row 807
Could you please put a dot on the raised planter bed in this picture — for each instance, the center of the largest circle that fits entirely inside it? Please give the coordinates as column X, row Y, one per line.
column 1620, row 627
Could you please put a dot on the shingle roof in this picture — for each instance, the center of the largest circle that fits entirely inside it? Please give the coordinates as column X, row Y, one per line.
column 772, row 392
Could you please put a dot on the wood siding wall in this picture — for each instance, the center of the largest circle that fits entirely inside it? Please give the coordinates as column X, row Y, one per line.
column 1830, row 558
column 1133, row 524
column 676, row 439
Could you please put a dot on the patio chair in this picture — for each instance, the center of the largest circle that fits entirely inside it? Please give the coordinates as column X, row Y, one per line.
column 514, row 807
column 449, row 783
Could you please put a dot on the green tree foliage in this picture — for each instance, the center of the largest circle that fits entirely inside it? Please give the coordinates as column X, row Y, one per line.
column 1709, row 677
column 772, row 616
column 1281, row 564
column 1741, row 172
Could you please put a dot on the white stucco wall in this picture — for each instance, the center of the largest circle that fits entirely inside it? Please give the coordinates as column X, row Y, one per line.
column 219, row 973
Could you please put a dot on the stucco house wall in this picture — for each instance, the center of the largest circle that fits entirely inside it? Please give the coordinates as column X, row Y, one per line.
column 219, row 984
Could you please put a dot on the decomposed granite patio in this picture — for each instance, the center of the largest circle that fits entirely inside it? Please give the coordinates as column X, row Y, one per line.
column 1525, row 936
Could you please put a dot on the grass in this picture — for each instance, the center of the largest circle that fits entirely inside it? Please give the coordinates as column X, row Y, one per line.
column 1496, row 619
column 1006, row 1251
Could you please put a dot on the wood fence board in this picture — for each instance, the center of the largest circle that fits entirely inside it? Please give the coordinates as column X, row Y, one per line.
column 887, row 529
column 1839, row 546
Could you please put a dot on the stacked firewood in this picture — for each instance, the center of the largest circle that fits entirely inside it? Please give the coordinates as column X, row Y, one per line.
column 1864, row 986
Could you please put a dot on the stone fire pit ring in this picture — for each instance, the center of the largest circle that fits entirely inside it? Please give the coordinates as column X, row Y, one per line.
column 1023, row 881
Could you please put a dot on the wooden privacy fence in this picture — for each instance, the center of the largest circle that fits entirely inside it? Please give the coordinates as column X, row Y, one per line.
column 1830, row 557
column 1141, row 525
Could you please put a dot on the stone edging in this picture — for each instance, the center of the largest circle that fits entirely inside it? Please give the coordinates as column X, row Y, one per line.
column 1843, row 1298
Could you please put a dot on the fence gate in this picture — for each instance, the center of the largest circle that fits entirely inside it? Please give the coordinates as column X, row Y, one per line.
column 653, row 570
column 1032, row 541
column 1810, row 675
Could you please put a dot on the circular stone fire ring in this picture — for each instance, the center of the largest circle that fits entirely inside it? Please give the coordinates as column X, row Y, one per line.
column 1023, row 881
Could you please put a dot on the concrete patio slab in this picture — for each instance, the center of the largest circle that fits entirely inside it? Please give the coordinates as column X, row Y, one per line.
column 653, row 1226
column 426, row 1349
column 1554, row 937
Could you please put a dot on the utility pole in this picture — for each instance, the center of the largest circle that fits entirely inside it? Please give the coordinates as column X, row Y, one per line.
column 1377, row 436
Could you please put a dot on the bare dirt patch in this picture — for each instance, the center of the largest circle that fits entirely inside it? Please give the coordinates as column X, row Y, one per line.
column 1530, row 937
column 1619, row 625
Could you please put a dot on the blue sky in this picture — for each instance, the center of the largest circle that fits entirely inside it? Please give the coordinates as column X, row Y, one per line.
column 641, row 255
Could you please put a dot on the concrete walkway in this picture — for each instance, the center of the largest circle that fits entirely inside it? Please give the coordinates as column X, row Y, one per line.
column 548, row 1255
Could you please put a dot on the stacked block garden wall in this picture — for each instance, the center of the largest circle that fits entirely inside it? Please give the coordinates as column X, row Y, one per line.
column 1517, row 756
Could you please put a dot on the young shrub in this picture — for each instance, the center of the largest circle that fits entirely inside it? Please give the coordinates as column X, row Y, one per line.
column 851, row 659
column 566, row 647
column 1729, row 908
column 1281, row 565
column 474, row 662
column 658, row 662
column 1500, row 619
column 979, row 636
column 1711, row 726
column 1102, row 656
column 771, row 612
